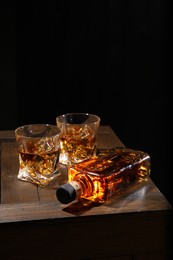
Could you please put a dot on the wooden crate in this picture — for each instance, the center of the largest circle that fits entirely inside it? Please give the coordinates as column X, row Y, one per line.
column 33, row 224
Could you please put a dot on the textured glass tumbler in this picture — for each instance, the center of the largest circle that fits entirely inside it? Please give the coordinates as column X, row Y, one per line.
column 38, row 147
column 78, row 136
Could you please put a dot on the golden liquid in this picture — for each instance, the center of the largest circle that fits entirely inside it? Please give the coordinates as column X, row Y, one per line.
column 77, row 144
column 38, row 169
column 38, row 160
column 104, row 176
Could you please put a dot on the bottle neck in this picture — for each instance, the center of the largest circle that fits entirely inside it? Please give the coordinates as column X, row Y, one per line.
column 80, row 186
column 83, row 185
column 77, row 187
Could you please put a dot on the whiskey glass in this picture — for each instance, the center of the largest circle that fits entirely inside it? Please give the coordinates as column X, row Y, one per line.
column 78, row 138
column 38, row 148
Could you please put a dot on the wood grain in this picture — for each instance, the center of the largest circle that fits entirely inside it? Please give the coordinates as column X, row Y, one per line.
column 33, row 224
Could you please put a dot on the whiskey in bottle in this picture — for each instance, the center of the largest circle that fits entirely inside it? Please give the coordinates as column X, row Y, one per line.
column 105, row 175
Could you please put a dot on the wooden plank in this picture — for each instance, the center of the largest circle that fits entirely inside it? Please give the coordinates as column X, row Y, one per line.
column 13, row 190
column 106, row 138
column 7, row 135
column 145, row 198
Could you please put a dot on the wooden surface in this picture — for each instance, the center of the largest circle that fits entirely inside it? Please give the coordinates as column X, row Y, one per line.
column 137, row 223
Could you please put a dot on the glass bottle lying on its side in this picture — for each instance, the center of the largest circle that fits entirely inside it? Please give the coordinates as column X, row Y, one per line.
column 101, row 177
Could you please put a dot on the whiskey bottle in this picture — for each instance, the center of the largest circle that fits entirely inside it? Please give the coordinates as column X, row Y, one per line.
column 105, row 175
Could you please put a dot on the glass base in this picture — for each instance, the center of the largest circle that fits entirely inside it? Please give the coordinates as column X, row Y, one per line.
column 37, row 178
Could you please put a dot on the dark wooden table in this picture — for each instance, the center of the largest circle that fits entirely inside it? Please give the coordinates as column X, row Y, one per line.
column 34, row 225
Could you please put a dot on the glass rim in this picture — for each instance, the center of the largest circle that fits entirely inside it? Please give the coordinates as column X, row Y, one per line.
column 19, row 130
column 97, row 118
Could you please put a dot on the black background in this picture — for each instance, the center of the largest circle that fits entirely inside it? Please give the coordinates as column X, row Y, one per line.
column 110, row 58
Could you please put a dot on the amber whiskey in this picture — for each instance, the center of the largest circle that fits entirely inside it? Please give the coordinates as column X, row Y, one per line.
column 105, row 175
